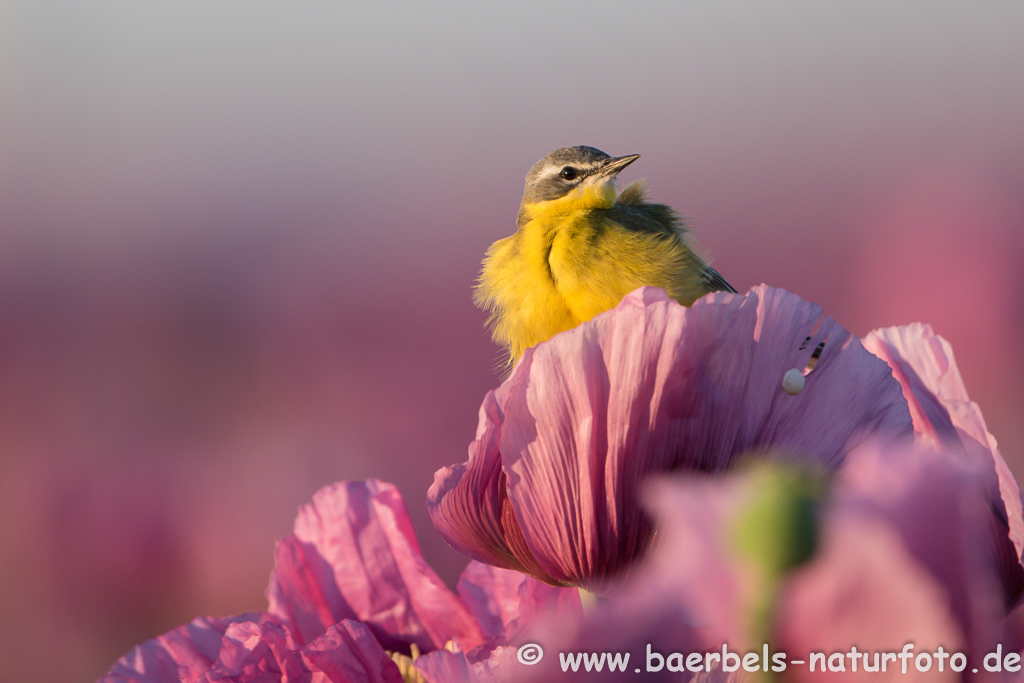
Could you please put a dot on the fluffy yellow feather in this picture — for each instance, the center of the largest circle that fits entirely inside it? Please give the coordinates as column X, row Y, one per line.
column 580, row 248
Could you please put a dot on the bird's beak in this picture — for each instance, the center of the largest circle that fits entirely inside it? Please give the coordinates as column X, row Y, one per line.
column 616, row 164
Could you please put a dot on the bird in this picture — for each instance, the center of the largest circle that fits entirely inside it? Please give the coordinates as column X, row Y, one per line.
column 580, row 247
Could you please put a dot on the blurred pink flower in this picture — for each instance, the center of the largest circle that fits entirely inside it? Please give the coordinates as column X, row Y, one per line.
column 901, row 557
column 350, row 587
column 906, row 557
column 551, row 484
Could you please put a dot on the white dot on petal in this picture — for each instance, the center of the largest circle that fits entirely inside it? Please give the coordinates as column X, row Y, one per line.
column 793, row 382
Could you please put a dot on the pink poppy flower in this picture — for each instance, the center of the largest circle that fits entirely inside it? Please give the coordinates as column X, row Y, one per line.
column 906, row 557
column 256, row 647
column 900, row 555
column 944, row 417
column 551, row 484
column 500, row 665
column 353, row 555
column 350, row 588
column 507, row 605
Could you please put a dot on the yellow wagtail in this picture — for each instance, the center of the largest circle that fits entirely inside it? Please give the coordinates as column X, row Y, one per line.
column 581, row 246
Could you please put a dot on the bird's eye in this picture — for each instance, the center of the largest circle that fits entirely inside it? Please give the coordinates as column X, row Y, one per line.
column 569, row 173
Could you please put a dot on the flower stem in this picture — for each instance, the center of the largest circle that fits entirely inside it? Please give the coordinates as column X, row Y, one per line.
column 588, row 600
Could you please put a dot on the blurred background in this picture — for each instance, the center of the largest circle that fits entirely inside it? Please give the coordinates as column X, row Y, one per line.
column 237, row 242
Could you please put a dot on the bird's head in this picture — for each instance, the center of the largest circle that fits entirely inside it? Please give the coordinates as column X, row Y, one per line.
column 572, row 178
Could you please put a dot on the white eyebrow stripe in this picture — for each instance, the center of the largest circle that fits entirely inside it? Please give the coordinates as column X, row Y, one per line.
column 551, row 170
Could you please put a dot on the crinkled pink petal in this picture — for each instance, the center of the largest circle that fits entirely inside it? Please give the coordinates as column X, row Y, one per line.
column 943, row 415
column 354, row 555
column 443, row 666
column 500, row 666
column 182, row 654
column 348, row 653
column 652, row 386
column 467, row 502
column 504, row 601
column 258, row 653
column 254, row 648
column 302, row 590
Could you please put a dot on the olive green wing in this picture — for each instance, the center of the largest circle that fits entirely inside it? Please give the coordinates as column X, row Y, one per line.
column 633, row 211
